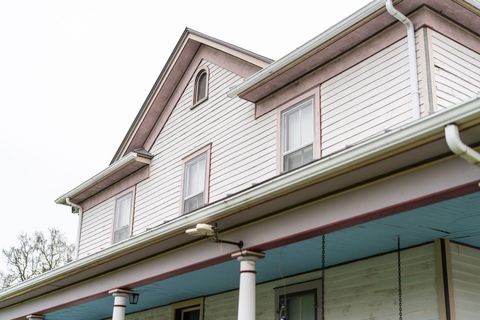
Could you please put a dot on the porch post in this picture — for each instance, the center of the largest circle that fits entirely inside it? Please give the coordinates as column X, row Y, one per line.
column 35, row 317
column 246, row 294
column 120, row 300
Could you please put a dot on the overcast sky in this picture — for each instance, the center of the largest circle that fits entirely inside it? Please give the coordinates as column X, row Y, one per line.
column 73, row 75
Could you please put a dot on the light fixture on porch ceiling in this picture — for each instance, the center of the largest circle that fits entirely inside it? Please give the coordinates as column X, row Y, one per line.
column 133, row 298
column 207, row 230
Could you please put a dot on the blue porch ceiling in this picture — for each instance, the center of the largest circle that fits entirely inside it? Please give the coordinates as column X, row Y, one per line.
column 455, row 219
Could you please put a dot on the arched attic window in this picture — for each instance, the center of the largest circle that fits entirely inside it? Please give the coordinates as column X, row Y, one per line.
column 200, row 92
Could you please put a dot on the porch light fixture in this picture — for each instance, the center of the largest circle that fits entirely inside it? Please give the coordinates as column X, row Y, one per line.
column 207, row 230
column 133, row 298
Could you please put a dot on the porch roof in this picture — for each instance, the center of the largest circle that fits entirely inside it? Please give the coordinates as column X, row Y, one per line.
column 457, row 219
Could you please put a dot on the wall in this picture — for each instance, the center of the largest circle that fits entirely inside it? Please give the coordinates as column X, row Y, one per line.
column 243, row 150
column 365, row 289
column 456, row 71
column 466, row 281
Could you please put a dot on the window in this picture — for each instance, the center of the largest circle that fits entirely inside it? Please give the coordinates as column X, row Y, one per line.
column 200, row 92
column 188, row 310
column 297, row 135
column 123, row 212
column 300, row 301
column 195, row 180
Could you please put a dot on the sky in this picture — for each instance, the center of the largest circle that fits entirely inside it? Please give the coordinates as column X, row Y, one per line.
column 73, row 75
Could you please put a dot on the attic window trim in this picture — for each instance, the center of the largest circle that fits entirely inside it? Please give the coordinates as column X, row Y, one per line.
column 201, row 71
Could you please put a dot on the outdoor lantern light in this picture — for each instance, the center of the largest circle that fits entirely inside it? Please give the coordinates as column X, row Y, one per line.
column 207, row 230
column 133, row 298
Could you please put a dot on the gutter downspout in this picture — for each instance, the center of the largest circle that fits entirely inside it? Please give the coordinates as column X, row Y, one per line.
column 76, row 209
column 458, row 147
column 412, row 56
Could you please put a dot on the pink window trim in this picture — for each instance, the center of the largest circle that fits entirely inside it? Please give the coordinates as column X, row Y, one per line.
column 201, row 70
column 206, row 194
column 310, row 94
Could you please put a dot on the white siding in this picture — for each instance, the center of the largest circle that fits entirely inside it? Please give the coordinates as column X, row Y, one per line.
column 466, row 281
column 243, row 149
column 456, row 71
column 368, row 99
column 96, row 233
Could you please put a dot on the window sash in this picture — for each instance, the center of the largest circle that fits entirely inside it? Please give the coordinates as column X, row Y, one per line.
column 300, row 294
column 123, row 212
column 298, row 133
column 195, row 176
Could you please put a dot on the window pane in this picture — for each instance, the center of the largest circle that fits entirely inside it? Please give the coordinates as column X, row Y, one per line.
column 301, row 307
column 298, row 158
column 307, row 123
column 191, row 315
column 292, row 130
column 201, row 86
column 123, row 209
column 195, row 176
column 193, row 203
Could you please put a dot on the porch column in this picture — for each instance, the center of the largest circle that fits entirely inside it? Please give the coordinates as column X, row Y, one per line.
column 246, row 294
column 120, row 300
column 35, row 317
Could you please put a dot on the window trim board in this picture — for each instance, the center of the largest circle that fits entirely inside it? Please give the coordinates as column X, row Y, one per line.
column 301, row 287
column 201, row 69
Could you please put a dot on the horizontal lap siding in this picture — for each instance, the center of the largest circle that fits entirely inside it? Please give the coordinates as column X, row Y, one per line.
column 96, row 230
column 243, row 149
column 456, row 71
column 368, row 99
column 466, row 281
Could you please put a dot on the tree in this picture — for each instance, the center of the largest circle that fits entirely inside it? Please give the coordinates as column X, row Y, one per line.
column 35, row 255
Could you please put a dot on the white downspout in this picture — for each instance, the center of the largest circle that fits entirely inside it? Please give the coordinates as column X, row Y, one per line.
column 78, row 208
column 412, row 56
column 458, row 147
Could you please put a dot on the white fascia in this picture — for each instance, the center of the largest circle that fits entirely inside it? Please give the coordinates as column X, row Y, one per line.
column 367, row 151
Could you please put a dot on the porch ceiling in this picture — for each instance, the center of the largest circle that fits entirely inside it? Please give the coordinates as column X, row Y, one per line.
column 455, row 219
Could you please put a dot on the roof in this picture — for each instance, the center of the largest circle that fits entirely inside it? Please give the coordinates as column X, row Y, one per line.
column 181, row 55
column 340, row 38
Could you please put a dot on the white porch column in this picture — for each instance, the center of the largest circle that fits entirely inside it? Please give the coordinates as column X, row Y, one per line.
column 120, row 300
column 246, row 294
column 35, row 317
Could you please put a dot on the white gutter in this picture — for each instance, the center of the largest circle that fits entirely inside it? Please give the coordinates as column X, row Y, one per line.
column 458, row 147
column 129, row 158
column 369, row 150
column 76, row 209
column 330, row 33
column 412, row 56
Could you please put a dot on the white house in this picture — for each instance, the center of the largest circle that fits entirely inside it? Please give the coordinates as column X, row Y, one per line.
column 342, row 181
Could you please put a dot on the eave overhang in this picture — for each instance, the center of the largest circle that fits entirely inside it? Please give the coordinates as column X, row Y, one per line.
column 130, row 163
column 311, row 180
column 341, row 38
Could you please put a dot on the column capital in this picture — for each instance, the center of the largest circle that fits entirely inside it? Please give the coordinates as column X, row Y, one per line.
column 120, row 291
column 35, row 317
column 247, row 255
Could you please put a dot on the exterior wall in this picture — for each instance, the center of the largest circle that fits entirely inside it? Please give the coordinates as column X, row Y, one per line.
column 365, row 289
column 243, row 149
column 370, row 98
column 456, row 71
column 96, row 231
column 466, row 281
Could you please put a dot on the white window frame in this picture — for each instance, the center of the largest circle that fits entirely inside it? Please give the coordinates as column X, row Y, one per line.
column 196, row 101
column 130, row 192
column 299, row 288
column 203, row 152
column 311, row 95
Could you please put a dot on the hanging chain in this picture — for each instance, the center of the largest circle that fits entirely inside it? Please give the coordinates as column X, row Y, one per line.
column 323, row 277
column 399, row 267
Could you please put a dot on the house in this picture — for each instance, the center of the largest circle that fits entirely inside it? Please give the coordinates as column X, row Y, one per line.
column 339, row 182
